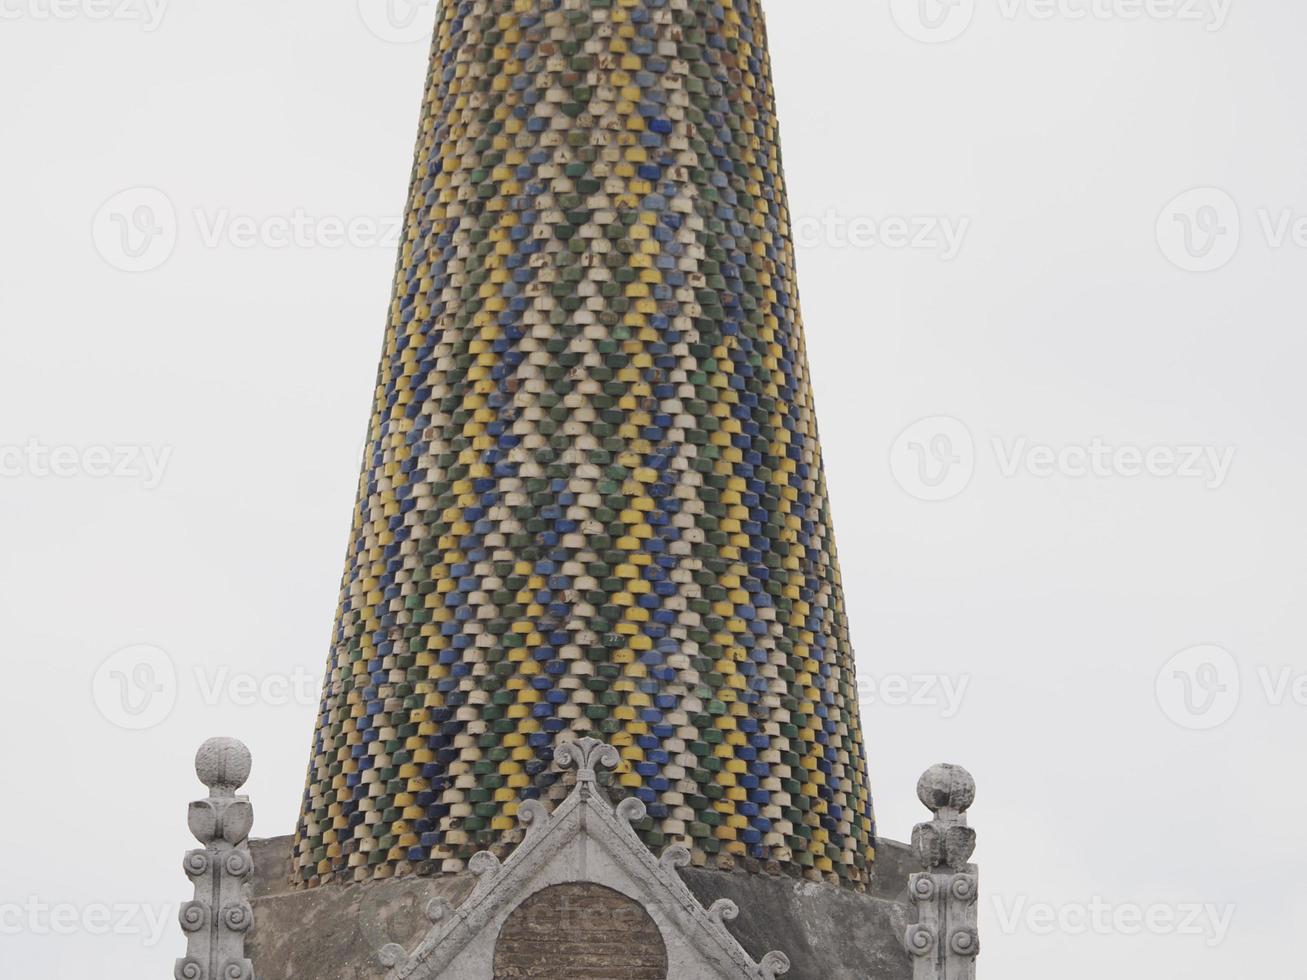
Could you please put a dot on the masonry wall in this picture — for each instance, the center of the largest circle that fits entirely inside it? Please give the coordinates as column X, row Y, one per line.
column 580, row 931
column 334, row 933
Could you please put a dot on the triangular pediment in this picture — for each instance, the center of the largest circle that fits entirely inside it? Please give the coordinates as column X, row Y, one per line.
column 585, row 840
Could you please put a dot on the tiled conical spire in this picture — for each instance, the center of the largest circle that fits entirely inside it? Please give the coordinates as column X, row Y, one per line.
column 594, row 501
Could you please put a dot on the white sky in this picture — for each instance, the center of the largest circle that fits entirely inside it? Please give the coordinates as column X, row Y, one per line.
column 1048, row 146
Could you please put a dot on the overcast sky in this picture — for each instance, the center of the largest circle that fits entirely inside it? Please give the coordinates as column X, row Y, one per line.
column 1051, row 258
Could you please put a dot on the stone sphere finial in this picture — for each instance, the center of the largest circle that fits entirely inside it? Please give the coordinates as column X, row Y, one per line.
column 947, row 787
column 223, row 765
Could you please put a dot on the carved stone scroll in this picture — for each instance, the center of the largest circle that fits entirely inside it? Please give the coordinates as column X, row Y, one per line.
column 216, row 920
column 944, row 942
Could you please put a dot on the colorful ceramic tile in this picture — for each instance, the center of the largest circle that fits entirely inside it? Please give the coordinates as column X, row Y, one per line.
column 594, row 500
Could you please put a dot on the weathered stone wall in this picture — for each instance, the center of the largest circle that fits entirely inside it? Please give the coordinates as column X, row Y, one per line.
column 580, row 931
column 334, row 933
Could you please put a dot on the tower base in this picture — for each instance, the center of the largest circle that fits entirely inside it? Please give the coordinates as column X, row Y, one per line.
column 335, row 932
column 580, row 897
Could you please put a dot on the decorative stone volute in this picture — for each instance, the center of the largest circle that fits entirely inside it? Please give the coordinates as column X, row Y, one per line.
column 944, row 941
column 216, row 920
column 587, row 756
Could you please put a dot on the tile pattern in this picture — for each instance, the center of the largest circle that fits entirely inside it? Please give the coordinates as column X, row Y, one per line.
column 595, row 502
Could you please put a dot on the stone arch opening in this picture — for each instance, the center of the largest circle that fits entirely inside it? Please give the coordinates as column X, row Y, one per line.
column 580, row 931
